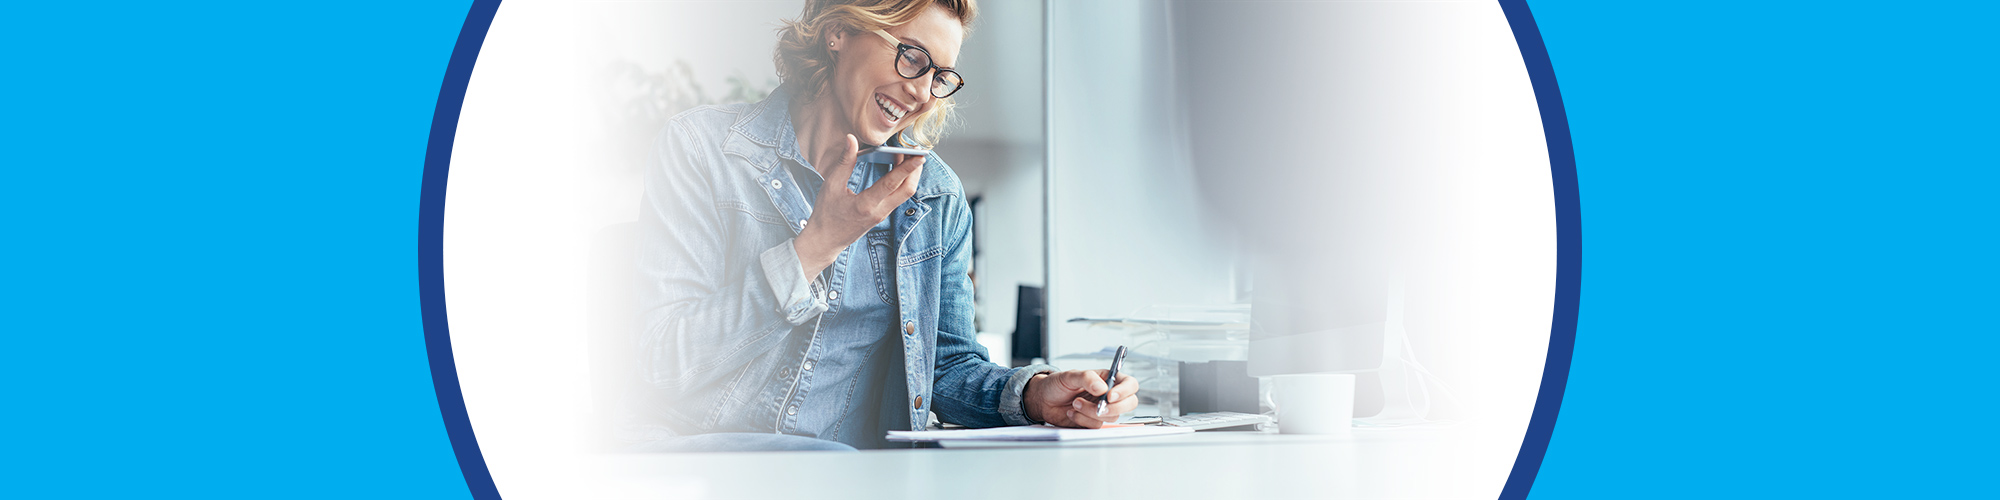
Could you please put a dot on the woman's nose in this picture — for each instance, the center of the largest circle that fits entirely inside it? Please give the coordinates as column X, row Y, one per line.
column 919, row 90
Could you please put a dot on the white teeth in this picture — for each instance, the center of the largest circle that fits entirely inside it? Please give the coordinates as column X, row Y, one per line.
column 894, row 112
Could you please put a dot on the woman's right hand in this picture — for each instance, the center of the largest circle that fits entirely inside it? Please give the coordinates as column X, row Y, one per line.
column 841, row 216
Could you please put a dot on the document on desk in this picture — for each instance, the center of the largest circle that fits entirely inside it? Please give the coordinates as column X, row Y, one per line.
column 1037, row 433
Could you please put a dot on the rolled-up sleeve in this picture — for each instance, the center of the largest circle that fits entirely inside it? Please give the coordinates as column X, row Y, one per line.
column 1014, row 394
column 799, row 298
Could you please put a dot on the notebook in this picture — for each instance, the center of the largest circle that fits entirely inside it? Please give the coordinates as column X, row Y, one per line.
column 1037, row 433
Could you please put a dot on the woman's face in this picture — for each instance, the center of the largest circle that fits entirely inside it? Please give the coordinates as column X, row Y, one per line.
column 875, row 100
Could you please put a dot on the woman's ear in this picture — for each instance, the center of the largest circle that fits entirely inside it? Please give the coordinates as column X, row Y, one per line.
column 836, row 40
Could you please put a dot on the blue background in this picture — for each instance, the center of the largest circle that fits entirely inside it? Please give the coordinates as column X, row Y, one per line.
column 211, row 249
column 210, row 218
column 1788, row 213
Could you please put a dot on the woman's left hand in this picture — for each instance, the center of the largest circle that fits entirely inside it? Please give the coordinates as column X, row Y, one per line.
column 1069, row 398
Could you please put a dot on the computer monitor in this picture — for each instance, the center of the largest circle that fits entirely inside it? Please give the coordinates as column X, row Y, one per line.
column 1310, row 141
column 1321, row 138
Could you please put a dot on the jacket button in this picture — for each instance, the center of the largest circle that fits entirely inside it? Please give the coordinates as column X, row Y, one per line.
column 909, row 328
column 920, row 403
column 909, row 212
column 835, row 295
column 794, row 410
column 776, row 185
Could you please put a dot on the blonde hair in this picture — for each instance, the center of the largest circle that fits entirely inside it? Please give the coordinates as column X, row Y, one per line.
column 805, row 64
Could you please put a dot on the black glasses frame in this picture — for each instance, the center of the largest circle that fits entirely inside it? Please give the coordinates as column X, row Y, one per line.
column 931, row 68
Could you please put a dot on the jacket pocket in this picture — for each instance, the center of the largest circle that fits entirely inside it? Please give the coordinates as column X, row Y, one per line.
column 882, row 259
column 915, row 258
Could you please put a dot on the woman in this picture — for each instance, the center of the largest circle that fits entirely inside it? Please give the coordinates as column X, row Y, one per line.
column 786, row 312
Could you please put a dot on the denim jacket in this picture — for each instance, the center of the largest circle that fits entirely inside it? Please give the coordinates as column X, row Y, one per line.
column 729, row 318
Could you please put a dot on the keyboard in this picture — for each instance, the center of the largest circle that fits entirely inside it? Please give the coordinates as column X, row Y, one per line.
column 1216, row 420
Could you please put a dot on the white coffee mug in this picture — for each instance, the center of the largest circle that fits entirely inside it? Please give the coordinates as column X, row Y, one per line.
column 1320, row 403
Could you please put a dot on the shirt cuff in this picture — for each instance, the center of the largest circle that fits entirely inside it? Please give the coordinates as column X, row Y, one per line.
column 1011, row 397
column 798, row 297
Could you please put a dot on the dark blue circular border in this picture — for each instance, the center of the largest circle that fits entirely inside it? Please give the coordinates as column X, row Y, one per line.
column 1562, row 171
column 430, row 250
column 1569, row 249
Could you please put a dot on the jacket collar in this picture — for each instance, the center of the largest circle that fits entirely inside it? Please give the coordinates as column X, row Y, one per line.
column 763, row 134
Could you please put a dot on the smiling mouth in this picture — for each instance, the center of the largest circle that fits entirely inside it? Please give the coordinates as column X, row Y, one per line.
column 890, row 108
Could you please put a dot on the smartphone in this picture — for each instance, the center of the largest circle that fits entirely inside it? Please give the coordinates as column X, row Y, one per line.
column 887, row 154
column 900, row 151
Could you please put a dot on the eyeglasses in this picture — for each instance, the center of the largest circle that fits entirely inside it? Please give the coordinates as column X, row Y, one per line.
column 913, row 62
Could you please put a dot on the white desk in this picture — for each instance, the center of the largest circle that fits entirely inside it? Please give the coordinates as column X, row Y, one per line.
column 1453, row 462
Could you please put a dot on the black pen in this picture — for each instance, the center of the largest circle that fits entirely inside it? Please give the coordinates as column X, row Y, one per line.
column 1110, row 379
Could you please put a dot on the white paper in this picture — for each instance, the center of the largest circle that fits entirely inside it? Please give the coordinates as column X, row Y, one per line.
column 1036, row 433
